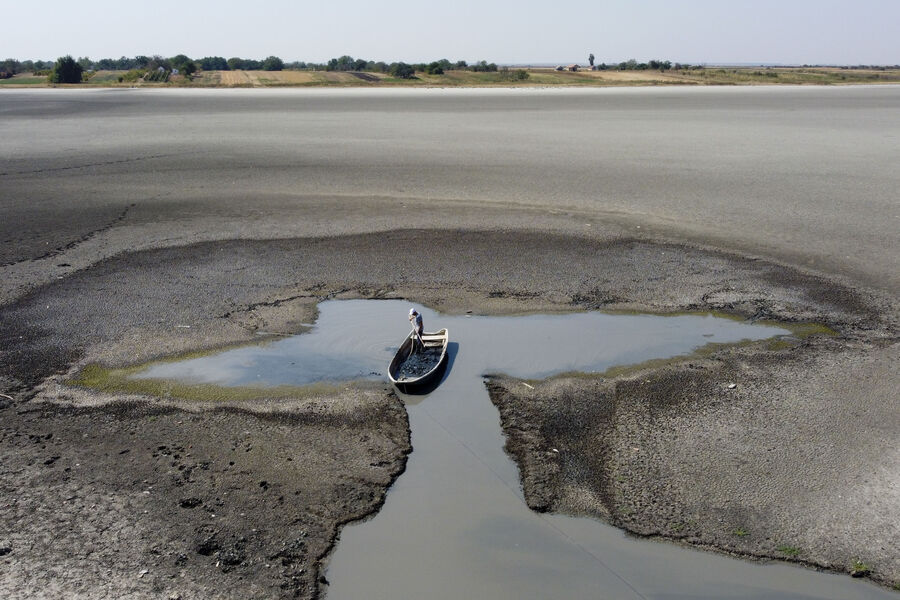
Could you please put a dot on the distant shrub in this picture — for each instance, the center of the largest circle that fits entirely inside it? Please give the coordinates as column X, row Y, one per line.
column 132, row 75
column 403, row 70
column 505, row 74
column 484, row 67
column 272, row 63
column 66, row 70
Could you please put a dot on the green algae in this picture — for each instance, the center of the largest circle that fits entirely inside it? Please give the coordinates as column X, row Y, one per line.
column 120, row 381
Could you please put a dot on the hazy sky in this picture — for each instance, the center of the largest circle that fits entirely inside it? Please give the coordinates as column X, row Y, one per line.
column 780, row 31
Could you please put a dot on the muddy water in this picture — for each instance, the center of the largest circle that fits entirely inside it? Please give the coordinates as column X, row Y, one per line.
column 455, row 524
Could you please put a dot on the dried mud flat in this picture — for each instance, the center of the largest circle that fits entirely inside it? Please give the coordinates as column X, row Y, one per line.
column 120, row 497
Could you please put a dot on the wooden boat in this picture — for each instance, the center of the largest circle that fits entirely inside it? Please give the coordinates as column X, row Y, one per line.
column 435, row 349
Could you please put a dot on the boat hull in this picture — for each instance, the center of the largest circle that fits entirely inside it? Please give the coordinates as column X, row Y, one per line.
column 433, row 341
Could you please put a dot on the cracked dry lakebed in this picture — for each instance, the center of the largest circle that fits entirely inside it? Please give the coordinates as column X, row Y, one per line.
column 455, row 523
column 202, row 224
column 124, row 485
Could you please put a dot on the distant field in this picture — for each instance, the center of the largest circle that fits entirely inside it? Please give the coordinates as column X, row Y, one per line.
column 536, row 77
column 23, row 79
column 284, row 78
column 106, row 77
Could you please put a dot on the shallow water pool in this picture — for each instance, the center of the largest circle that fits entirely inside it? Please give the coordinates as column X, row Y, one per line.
column 455, row 524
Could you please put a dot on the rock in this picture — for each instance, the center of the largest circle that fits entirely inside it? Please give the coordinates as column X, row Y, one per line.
column 231, row 556
column 142, row 573
column 5, row 549
column 190, row 502
column 208, row 546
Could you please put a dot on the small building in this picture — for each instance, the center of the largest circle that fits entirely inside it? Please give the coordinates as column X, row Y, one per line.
column 572, row 68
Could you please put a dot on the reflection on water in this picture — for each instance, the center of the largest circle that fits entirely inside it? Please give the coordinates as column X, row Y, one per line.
column 454, row 525
column 353, row 340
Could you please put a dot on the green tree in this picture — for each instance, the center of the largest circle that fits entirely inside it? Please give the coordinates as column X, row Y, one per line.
column 213, row 63
column 235, row 63
column 403, row 70
column 272, row 63
column 178, row 60
column 9, row 67
column 484, row 67
column 183, row 64
column 434, row 68
column 344, row 63
column 66, row 70
column 158, row 61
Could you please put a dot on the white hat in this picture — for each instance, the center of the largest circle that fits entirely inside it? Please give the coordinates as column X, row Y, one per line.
column 412, row 311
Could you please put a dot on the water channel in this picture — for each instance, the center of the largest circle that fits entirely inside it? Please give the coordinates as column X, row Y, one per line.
column 455, row 524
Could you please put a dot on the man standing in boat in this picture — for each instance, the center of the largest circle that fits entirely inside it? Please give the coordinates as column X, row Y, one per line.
column 418, row 326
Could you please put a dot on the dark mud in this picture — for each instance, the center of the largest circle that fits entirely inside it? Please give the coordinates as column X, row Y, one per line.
column 129, row 499
column 766, row 455
column 139, row 306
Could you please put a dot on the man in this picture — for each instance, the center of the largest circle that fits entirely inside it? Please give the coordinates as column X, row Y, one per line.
column 418, row 327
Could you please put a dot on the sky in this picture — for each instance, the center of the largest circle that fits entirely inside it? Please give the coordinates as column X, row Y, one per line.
column 502, row 31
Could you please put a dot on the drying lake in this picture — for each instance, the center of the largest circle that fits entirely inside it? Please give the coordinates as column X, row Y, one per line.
column 455, row 523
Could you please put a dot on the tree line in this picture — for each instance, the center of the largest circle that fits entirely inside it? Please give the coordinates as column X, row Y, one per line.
column 11, row 66
column 158, row 68
column 634, row 65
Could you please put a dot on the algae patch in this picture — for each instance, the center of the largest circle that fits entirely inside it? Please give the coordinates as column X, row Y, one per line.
column 120, row 381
